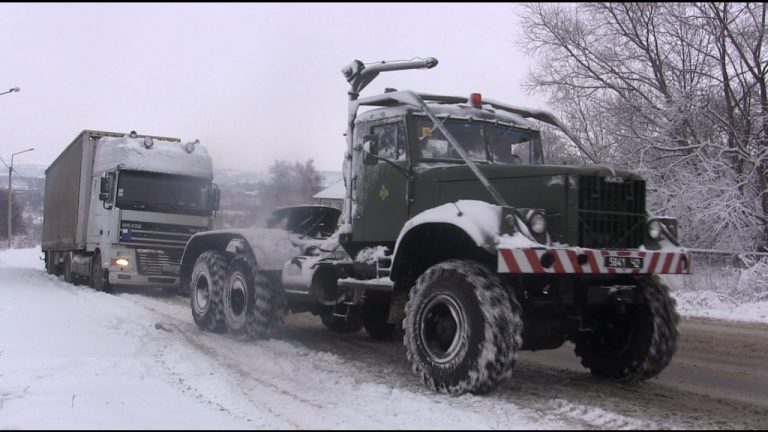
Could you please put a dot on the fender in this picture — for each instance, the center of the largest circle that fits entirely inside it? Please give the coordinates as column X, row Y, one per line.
column 479, row 220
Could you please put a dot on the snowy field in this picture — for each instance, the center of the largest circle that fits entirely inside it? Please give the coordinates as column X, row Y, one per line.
column 73, row 358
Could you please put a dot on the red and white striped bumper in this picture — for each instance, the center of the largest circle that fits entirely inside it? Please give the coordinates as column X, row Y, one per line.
column 592, row 261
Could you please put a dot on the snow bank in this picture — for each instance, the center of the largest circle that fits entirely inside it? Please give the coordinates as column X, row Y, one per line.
column 73, row 358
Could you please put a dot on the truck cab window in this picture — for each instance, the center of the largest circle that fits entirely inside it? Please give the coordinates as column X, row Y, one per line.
column 163, row 193
column 484, row 142
column 391, row 140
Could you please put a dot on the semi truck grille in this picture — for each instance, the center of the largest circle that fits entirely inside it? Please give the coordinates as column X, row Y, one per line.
column 611, row 212
column 151, row 234
column 158, row 262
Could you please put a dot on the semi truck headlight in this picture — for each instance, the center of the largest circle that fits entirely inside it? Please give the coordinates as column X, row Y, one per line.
column 654, row 229
column 120, row 262
column 538, row 223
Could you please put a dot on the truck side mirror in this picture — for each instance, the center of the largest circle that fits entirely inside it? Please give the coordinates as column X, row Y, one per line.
column 105, row 189
column 370, row 150
column 215, row 197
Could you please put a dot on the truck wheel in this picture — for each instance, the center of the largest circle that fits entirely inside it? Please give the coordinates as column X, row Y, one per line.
column 50, row 266
column 55, row 265
column 69, row 276
column 253, row 306
column 462, row 328
column 632, row 342
column 375, row 316
column 353, row 323
column 207, row 282
column 99, row 279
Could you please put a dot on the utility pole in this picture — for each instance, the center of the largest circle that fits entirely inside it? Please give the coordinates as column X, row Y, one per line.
column 10, row 170
column 10, row 194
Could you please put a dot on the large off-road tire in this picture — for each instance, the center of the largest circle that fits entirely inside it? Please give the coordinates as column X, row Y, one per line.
column 206, row 284
column 631, row 342
column 352, row 323
column 253, row 306
column 462, row 328
column 99, row 279
column 375, row 316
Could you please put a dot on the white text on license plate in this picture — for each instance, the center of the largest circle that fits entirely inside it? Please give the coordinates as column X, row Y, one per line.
column 623, row 262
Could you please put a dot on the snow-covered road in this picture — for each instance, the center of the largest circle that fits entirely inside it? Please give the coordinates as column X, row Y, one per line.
column 73, row 358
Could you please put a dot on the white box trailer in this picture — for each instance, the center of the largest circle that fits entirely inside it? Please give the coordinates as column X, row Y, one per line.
column 119, row 208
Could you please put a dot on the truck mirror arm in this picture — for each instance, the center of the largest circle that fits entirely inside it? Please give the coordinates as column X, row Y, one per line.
column 359, row 76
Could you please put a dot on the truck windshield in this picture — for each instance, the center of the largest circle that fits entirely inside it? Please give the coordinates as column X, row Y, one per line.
column 484, row 142
column 163, row 193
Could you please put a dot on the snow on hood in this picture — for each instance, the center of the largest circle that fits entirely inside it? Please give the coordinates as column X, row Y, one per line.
column 162, row 157
column 271, row 247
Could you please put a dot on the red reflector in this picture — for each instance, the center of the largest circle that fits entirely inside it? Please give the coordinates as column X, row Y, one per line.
column 476, row 100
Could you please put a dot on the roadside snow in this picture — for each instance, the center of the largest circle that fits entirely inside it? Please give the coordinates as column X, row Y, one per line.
column 73, row 358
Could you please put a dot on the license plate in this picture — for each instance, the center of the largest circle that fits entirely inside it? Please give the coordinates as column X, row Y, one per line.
column 624, row 262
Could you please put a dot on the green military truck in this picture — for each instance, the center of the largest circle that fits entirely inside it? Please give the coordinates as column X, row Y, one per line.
column 457, row 236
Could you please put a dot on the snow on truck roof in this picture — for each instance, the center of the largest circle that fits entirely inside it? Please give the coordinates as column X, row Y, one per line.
column 161, row 156
column 456, row 107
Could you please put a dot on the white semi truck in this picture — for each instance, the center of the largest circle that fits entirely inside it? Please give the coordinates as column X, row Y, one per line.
column 119, row 208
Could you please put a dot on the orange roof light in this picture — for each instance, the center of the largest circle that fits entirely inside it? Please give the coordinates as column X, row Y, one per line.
column 476, row 100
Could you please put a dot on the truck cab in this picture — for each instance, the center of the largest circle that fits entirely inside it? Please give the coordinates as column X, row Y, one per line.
column 134, row 201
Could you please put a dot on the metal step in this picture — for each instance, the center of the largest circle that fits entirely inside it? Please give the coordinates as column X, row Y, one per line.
column 383, row 266
column 344, row 315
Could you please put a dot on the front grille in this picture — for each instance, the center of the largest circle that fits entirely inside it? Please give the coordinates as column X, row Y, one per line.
column 158, row 262
column 611, row 214
column 151, row 234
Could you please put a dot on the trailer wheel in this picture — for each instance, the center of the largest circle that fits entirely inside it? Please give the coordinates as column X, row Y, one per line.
column 462, row 328
column 352, row 323
column 55, row 265
column 207, row 282
column 99, row 279
column 69, row 275
column 631, row 342
column 50, row 265
column 253, row 306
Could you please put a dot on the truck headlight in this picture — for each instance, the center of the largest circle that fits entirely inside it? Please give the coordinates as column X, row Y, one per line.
column 537, row 222
column 654, row 229
column 120, row 262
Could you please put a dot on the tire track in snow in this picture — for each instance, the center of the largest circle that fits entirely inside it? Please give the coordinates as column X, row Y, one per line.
column 505, row 414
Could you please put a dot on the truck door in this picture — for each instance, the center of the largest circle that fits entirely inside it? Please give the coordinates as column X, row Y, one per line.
column 381, row 206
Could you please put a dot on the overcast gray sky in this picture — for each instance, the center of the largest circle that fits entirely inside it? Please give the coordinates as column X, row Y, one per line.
column 254, row 82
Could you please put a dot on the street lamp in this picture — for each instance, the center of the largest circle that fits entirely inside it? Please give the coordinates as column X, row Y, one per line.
column 10, row 194
column 15, row 89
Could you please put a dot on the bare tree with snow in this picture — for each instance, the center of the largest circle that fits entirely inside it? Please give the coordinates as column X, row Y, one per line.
column 676, row 91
